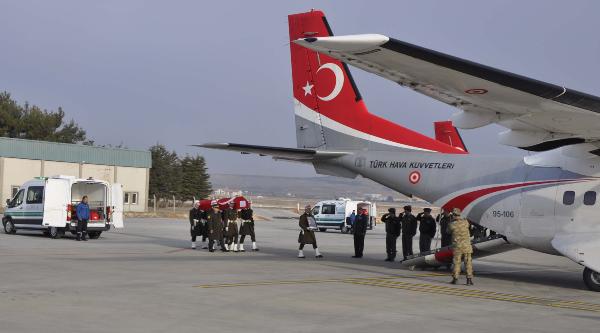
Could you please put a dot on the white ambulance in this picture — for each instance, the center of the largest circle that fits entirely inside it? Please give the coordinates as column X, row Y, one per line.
column 48, row 204
column 334, row 214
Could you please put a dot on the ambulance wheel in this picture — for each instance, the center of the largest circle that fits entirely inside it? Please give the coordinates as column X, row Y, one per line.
column 322, row 229
column 591, row 279
column 94, row 234
column 9, row 227
column 55, row 233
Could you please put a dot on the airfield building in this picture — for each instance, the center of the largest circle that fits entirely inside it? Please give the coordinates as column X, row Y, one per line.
column 22, row 160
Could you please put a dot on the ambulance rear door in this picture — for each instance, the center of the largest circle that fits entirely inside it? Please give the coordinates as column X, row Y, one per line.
column 56, row 200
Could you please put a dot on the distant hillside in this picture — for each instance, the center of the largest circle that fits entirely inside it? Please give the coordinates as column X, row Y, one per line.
column 310, row 187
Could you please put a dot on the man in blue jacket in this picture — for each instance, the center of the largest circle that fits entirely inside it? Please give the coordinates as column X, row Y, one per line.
column 83, row 216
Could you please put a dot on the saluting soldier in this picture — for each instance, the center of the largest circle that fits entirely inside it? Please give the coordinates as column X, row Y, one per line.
column 307, row 235
column 196, row 226
column 444, row 218
column 247, row 228
column 461, row 246
column 231, row 227
column 409, row 230
column 427, row 230
column 392, row 232
column 215, row 227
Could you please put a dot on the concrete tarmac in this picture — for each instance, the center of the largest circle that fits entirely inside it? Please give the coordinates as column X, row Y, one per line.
column 145, row 278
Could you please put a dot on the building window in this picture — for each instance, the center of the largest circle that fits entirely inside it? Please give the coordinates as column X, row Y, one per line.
column 589, row 198
column 35, row 194
column 13, row 190
column 130, row 198
column 569, row 198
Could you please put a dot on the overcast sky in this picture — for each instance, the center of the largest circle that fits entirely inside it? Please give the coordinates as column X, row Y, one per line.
column 187, row 72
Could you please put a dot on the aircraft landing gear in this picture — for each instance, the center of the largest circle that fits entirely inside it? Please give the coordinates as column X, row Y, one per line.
column 591, row 279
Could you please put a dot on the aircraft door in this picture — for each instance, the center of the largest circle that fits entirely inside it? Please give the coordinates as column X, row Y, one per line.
column 537, row 204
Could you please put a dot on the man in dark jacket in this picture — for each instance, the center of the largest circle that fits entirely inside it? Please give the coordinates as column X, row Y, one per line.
column 409, row 230
column 444, row 218
column 360, row 231
column 247, row 228
column 215, row 228
column 427, row 229
column 307, row 234
column 83, row 216
column 392, row 232
column 195, row 223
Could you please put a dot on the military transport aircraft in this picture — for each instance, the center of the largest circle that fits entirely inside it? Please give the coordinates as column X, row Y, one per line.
column 545, row 202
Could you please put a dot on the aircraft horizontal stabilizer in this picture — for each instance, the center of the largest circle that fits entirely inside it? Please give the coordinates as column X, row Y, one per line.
column 293, row 154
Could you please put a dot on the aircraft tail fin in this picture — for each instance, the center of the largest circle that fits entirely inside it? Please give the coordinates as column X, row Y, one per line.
column 448, row 134
column 330, row 112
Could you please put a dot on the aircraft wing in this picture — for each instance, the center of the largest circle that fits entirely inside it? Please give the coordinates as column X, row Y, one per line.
column 291, row 154
column 538, row 115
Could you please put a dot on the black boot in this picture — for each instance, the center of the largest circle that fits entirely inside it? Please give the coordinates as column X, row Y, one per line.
column 454, row 280
column 78, row 238
column 469, row 281
column 84, row 236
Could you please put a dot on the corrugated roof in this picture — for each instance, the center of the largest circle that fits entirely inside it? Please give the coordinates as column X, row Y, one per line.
column 64, row 152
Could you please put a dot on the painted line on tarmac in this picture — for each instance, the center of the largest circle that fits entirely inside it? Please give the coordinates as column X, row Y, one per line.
column 303, row 281
column 392, row 282
column 481, row 294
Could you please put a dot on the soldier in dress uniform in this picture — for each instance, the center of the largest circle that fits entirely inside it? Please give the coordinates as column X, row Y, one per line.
column 247, row 217
column 361, row 223
column 196, row 226
column 215, row 227
column 307, row 235
column 427, row 230
column 392, row 232
column 444, row 218
column 409, row 230
column 461, row 246
column 230, row 217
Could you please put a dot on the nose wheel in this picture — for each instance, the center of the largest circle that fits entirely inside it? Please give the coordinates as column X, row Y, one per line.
column 591, row 279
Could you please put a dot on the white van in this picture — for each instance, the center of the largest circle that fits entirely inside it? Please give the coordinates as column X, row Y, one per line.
column 334, row 214
column 48, row 204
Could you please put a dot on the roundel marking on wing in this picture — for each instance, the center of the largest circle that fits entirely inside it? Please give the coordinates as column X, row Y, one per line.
column 339, row 80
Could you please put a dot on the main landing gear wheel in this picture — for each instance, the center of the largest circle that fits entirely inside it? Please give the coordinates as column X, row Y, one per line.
column 9, row 227
column 591, row 279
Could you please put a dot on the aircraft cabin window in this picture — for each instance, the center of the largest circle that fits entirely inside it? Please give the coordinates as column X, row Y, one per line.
column 568, row 198
column 589, row 198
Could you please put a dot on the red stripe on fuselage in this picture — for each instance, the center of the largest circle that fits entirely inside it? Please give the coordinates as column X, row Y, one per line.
column 465, row 199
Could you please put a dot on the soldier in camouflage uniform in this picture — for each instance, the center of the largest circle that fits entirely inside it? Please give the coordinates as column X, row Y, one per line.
column 461, row 246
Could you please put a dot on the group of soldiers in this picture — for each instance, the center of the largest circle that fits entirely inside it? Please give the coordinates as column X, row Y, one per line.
column 221, row 227
column 455, row 231
column 406, row 224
